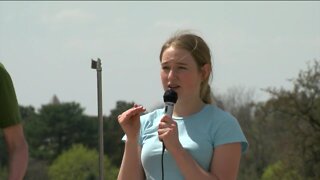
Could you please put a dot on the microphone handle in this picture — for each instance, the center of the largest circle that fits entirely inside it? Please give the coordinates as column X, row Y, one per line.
column 169, row 108
column 168, row 111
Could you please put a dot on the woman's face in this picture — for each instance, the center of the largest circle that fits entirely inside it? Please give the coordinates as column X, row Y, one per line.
column 179, row 72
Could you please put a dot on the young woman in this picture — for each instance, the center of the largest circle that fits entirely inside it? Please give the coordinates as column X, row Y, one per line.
column 201, row 140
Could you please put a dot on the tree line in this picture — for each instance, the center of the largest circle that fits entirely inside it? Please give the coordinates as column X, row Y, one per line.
column 283, row 134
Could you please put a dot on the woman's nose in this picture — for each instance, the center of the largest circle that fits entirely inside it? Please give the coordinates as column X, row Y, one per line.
column 171, row 74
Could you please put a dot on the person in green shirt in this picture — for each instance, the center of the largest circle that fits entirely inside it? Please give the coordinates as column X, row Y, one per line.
column 10, row 123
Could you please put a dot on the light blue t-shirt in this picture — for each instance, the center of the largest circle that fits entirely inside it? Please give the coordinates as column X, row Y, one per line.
column 199, row 134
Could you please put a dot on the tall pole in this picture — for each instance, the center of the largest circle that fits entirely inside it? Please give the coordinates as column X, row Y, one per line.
column 97, row 65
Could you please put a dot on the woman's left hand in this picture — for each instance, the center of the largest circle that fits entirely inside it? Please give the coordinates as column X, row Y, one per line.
column 168, row 133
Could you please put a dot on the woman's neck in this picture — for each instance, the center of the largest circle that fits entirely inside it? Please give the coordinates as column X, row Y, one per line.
column 188, row 107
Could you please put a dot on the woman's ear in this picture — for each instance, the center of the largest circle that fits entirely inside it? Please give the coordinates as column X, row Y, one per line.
column 205, row 71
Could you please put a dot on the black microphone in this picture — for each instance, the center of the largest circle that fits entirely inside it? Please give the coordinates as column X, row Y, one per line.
column 170, row 97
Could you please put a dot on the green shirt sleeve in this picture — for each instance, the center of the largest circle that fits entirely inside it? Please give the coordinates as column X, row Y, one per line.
column 9, row 108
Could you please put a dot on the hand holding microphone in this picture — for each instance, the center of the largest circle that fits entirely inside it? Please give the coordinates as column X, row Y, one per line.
column 168, row 130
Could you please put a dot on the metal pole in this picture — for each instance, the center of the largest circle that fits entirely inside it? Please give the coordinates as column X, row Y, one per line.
column 97, row 65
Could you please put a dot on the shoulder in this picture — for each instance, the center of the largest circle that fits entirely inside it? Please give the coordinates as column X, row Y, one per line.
column 3, row 70
column 218, row 115
column 152, row 115
column 5, row 77
column 150, row 118
column 213, row 119
column 226, row 128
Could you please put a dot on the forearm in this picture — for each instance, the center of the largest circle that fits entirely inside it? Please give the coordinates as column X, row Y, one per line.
column 189, row 168
column 18, row 161
column 131, row 167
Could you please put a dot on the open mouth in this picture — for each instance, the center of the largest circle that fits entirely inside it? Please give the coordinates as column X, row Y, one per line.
column 173, row 87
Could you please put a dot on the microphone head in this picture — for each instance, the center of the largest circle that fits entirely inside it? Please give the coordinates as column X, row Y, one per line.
column 170, row 96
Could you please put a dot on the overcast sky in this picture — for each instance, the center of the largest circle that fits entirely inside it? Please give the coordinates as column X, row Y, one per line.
column 47, row 46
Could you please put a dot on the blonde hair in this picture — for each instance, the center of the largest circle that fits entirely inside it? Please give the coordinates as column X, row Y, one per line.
column 200, row 51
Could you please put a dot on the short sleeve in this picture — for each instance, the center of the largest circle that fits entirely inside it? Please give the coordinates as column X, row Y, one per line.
column 229, row 131
column 9, row 108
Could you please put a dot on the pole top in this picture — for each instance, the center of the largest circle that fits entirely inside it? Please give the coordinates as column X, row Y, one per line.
column 96, row 64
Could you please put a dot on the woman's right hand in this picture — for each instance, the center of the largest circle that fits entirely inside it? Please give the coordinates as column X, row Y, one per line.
column 130, row 121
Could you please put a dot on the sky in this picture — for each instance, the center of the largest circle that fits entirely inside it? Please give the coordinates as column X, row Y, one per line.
column 47, row 47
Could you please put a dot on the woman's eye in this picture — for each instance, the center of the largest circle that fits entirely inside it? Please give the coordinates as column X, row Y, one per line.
column 165, row 67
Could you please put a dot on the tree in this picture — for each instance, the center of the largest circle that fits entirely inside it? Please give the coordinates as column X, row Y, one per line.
column 3, row 172
column 279, row 170
column 37, row 169
column 80, row 163
column 295, row 114
column 55, row 129
column 284, row 131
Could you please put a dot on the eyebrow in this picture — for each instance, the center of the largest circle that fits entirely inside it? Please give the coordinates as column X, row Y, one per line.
column 179, row 63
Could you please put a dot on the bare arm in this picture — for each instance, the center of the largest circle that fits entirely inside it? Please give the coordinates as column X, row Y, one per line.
column 224, row 164
column 18, row 151
column 131, row 167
